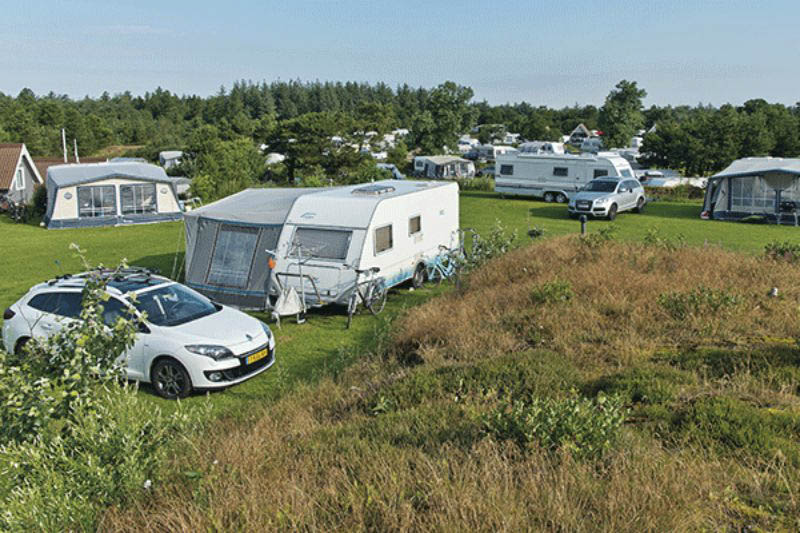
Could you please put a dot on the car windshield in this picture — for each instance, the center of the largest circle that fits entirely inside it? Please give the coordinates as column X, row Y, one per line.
column 173, row 305
column 601, row 186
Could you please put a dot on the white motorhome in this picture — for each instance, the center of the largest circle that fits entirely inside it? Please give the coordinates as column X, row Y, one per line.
column 322, row 234
column 492, row 152
column 554, row 177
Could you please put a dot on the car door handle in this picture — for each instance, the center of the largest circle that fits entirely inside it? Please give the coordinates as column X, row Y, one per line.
column 47, row 326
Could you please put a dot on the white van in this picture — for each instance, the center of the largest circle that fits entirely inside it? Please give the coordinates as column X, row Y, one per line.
column 555, row 177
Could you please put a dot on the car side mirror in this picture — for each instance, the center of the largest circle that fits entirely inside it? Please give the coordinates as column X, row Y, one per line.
column 142, row 327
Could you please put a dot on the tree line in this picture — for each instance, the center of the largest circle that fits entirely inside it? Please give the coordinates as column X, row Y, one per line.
column 299, row 118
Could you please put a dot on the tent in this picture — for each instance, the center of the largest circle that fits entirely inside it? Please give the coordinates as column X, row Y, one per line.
column 761, row 186
column 226, row 242
column 108, row 194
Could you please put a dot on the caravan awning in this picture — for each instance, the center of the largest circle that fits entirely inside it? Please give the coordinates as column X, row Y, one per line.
column 760, row 166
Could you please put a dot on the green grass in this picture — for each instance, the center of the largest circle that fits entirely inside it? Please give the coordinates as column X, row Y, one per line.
column 29, row 255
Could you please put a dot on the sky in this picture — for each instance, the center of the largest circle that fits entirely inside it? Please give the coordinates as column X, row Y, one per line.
column 546, row 53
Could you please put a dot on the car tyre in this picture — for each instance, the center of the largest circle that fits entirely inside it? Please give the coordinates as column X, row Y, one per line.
column 418, row 279
column 612, row 212
column 639, row 205
column 21, row 342
column 170, row 379
column 549, row 197
column 561, row 198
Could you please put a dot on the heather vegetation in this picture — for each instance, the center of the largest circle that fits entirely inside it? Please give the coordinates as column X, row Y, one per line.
column 613, row 386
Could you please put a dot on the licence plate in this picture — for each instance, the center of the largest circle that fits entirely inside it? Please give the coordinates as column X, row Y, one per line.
column 257, row 356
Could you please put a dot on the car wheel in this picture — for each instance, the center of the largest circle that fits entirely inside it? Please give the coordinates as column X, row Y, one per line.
column 170, row 379
column 561, row 198
column 21, row 342
column 612, row 212
column 549, row 197
column 419, row 276
column 639, row 205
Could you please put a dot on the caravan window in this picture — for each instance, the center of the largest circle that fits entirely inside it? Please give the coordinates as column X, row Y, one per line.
column 414, row 225
column 383, row 239
column 232, row 257
column 600, row 172
column 323, row 243
column 97, row 201
column 507, row 170
column 626, row 173
column 560, row 171
column 137, row 199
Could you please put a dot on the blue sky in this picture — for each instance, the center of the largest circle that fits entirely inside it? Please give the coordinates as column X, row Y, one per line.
column 546, row 53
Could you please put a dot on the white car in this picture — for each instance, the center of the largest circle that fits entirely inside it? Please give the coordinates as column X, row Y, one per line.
column 607, row 196
column 185, row 342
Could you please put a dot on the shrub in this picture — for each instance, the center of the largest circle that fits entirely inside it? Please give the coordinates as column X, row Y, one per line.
column 72, row 440
column 783, row 251
column 596, row 239
column 478, row 183
column 551, row 292
column 682, row 305
column 654, row 237
column 586, row 427
column 39, row 203
column 485, row 247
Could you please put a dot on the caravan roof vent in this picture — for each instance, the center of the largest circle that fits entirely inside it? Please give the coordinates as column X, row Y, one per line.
column 374, row 190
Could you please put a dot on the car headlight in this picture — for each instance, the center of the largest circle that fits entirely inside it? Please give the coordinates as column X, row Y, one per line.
column 601, row 201
column 209, row 350
column 267, row 331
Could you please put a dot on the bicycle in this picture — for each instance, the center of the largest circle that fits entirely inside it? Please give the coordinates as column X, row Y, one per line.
column 371, row 292
column 444, row 266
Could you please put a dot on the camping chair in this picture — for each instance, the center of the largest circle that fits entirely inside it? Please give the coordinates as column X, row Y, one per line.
column 789, row 209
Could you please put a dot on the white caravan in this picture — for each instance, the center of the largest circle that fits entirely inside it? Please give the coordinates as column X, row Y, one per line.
column 554, row 177
column 315, row 239
column 397, row 227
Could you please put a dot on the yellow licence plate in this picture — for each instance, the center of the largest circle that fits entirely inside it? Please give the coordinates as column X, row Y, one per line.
column 257, row 356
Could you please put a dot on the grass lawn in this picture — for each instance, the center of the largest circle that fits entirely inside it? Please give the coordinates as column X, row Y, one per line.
column 305, row 351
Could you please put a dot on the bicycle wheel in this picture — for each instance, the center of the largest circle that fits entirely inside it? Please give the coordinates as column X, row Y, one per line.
column 351, row 306
column 376, row 300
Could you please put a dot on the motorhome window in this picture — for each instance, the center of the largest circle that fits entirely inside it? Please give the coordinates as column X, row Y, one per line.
column 137, row 199
column 598, row 172
column 322, row 243
column 97, row 201
column 383, row 239
column 507, row 170
column 232, row 257
column 560, row 171
column 414, row 225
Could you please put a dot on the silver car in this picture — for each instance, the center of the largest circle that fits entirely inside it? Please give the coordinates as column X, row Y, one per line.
column 606, row 197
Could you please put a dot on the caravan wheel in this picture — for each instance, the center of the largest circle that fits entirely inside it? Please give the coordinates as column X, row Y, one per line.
column 561, row 198
column 549, row 197
column 419, row 276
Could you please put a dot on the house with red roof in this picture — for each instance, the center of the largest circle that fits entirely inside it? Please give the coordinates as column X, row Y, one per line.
column 18, row 173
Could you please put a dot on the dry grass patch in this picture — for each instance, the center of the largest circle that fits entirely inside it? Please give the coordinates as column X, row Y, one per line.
column 686, row 339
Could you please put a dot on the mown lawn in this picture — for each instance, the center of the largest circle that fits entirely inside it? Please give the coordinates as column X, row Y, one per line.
column 29, row 255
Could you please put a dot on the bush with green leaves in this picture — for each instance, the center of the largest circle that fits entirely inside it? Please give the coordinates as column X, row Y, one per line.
column 74, row 436
column 586, row 427
column 552, row 292
column 596, row 239
column 783, row 251
column 701, row 300
column 483, row 248
column 477, row 183
column 655, row 238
